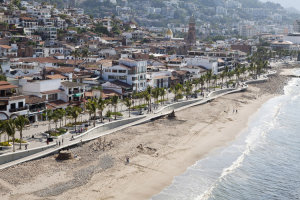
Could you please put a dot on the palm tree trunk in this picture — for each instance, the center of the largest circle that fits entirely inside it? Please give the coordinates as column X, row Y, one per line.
column 21, row 137
column 14, row 149
column 94, row 119
column 115, row 112
column 129, row 111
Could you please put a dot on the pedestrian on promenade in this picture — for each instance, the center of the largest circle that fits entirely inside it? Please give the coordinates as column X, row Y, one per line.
column 47, row 141
column 62, row 141
column 25, row 146
column 59, row 143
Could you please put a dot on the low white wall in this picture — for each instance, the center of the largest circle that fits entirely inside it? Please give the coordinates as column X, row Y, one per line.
column 9, row 157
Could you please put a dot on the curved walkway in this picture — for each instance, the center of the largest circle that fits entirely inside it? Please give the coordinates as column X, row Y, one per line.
column 11, row 159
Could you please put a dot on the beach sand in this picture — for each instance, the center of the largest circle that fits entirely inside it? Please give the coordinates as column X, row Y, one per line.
column 157, row 150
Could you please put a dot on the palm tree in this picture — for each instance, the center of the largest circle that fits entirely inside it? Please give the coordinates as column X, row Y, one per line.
column 237, row 72
column 101, row 106
column 177, row 89
column 208, row 77
column 75, row 112
column 222, row 76
column 60, row 115
column 188, row 88
column 114, row 102
column 149, row 90
column 148, row 99
column 10, row 129
column 92, row 108
column 162, row 93
column 128, row 104
column 215, row 77
column 49, row 114
column 20, row 123
column 2, row 130
column 55, row 117
column 202, row 80
column 89, row 109
column 155, row 94
column 68, row 113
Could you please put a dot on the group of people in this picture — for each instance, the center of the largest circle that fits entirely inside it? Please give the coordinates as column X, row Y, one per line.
column 60, row 142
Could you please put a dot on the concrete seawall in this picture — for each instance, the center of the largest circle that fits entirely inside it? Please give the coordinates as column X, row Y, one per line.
column 9, row 157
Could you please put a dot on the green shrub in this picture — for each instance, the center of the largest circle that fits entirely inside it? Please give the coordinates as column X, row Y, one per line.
column 138, row 107
column 5, row 144
column 18, row 140
column 117, row 113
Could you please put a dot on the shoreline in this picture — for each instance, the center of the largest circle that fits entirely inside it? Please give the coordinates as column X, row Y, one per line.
column 166, row 152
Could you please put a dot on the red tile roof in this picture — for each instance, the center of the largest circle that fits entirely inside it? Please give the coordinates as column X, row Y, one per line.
column 51, row 92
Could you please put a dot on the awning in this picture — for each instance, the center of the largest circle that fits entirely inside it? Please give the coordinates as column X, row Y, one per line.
column 77, row 95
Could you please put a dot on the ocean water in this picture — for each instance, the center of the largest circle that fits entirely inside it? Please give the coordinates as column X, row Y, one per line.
column 263, row 163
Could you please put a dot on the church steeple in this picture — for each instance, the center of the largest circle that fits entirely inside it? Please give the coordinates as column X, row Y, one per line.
column 191, row 38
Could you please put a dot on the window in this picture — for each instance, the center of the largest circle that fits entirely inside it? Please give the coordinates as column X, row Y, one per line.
column 122, row 71
column 107, row 70
column 52, row 97
column 133, row 78
column 20, row 104
column 13, row 106
column 115, row 71
column 111, row 77
column 122, row 77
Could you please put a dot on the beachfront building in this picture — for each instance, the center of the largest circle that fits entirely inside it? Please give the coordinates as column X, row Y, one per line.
column 12, row 103
column 160, row 79
column 50, row 91
column 73, row 92
column 128, row 71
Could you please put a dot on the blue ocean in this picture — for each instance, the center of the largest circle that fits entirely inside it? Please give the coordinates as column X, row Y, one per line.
column 263, row 163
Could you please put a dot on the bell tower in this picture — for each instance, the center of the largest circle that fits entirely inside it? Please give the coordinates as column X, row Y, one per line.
column 191, row 38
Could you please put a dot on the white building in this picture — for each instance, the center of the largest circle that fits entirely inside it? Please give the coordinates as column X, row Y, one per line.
column 160, row 79
column 128, row 71
column 12, row 104
column 206, row 62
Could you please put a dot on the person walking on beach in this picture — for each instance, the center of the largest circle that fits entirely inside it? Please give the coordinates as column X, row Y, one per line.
column 127, row 160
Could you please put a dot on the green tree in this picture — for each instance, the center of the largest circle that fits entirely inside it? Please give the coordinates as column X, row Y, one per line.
column 91, row 106
column 101, row 106
column 114, row 102
column 10, row 129
column 128, row 104
column 20, row 123
column 75, row 112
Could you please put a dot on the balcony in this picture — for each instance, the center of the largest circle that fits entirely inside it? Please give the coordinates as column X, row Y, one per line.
column 13, row 110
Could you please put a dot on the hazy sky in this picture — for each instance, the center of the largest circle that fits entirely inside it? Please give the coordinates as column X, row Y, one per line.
column 287, row 3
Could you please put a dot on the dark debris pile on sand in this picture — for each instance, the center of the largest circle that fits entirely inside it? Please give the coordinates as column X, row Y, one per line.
column 81, row 177
column 274, row 85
